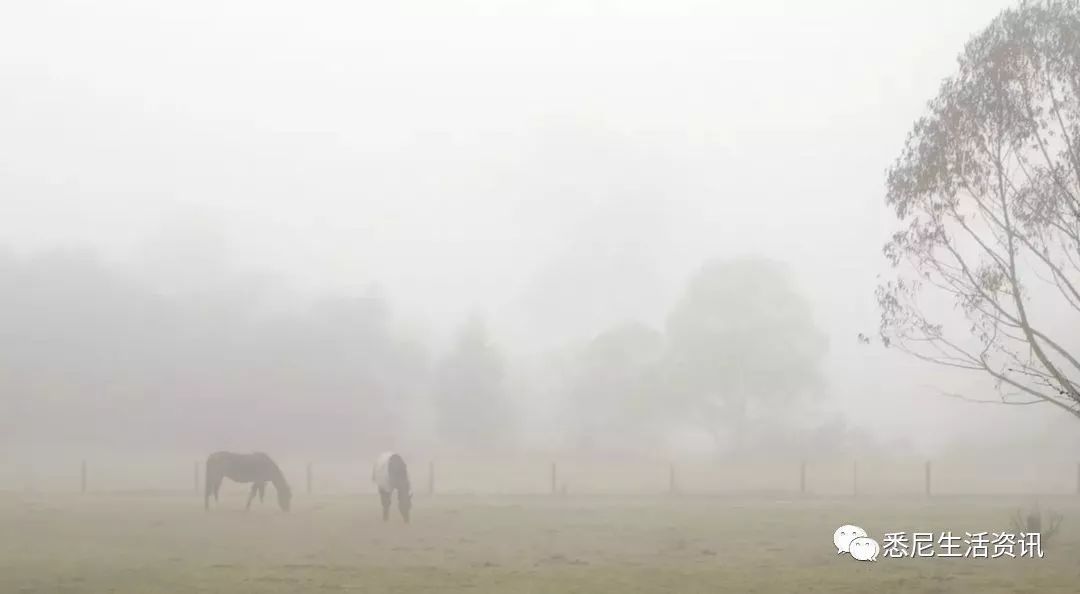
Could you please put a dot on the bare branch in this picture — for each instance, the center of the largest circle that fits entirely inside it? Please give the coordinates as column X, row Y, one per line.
column 1003, row 400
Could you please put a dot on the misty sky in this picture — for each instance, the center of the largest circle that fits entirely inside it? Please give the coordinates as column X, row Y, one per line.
column 557, row 165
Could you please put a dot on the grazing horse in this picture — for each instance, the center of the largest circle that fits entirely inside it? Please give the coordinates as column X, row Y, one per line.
column 389, row 474
column 256, row 468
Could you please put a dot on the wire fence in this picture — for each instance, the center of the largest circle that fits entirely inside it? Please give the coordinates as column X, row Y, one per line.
column 563, row 474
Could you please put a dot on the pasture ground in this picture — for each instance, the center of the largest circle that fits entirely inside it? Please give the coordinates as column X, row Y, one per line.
column 151, row 543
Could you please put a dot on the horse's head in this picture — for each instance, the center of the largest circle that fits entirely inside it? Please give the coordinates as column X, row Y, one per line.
column 405, row 503
column 284, row 497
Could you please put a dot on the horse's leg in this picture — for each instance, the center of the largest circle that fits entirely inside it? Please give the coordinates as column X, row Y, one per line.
column 213, row 483
column 404, row 504
column 385, row 496
column 262, row 491
column 254, row 490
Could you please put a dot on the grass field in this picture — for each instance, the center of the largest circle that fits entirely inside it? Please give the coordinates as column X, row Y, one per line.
column 166, row 543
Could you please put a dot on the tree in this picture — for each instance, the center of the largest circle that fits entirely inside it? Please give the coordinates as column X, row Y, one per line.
column 89, row 356
column 742, row 331
column 614, row 386
column 470, row 400
column 987, row 192
column 348, row 358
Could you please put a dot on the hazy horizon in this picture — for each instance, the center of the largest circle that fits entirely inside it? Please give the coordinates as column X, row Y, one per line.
column 558, row 166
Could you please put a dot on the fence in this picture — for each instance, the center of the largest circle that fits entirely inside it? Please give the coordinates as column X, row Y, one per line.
column 577, row 475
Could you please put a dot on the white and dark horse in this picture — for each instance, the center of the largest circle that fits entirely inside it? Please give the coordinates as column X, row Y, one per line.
column 256, row 468
column 391, row 474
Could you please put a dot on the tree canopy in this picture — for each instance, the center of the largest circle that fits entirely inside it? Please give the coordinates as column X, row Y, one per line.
column 470, row 400
column 615, row 386
column 987, row 193
column 742, row 332
column 89, row 356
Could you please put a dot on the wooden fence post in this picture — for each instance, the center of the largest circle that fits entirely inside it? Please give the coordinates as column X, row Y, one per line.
column 309, row 478
column 554, row 479
column 927, row 478
column 802, row 477
column 82, row 478
column 431, row 478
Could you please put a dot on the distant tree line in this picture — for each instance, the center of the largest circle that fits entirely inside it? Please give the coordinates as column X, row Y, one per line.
column 89, row 355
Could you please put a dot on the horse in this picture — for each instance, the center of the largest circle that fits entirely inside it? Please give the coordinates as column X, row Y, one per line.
column 256, row 468
column 390, row 474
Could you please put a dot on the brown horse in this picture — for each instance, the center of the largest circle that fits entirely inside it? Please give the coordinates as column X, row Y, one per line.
column 256, row 468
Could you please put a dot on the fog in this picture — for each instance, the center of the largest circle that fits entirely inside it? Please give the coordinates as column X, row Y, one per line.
column 220, row 207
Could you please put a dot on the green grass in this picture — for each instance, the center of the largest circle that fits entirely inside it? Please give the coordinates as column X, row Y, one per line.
column 148, row 544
